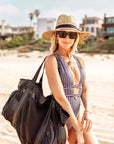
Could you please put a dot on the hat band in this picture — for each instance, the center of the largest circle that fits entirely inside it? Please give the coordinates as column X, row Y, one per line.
column 66, row 25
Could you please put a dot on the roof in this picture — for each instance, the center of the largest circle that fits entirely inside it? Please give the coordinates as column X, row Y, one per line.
column 92, row 18
column 21, row 27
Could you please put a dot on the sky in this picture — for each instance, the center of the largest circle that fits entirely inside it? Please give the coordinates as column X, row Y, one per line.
column 16, row 12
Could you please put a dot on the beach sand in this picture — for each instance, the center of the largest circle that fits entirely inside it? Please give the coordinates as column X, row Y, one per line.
column 100, row 78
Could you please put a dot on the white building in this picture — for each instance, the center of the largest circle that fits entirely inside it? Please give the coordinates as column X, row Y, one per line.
column 7, row 31
column 45, row 24
column 93, row 25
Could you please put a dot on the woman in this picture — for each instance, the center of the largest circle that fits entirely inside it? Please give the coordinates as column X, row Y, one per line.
column 66, row 78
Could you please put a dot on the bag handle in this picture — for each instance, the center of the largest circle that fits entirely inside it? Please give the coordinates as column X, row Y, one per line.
column 38, row 71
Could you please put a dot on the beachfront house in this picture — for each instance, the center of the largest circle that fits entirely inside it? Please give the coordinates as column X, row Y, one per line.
column 45, row 24
column 93, row 25
column 7, row 31
column 108, row 27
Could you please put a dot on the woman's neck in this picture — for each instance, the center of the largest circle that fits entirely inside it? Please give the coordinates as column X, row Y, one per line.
column 64, row 52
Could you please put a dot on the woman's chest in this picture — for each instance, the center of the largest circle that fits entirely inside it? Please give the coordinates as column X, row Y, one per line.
column 70, row 71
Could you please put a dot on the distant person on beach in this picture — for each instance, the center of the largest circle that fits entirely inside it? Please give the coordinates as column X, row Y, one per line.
column 65, row 72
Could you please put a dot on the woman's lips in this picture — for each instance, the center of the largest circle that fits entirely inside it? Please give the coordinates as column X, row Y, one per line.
column 66, row 43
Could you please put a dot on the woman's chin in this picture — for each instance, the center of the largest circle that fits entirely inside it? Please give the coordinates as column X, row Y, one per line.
column 66, row 46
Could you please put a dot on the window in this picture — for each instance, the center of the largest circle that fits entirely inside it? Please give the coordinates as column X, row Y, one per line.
column 49, row 21
column 48, row 28
column 7, row 28
column 92, row 29
column 111, row 37
column 87, row 29
column 14, row 29
column 110, row 20
column 92, row 21
column 110, row 30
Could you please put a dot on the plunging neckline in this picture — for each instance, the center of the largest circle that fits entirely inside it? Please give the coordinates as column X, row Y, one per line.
column 70, row 69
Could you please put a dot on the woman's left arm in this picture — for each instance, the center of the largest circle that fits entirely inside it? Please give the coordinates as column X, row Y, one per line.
column 87, row 115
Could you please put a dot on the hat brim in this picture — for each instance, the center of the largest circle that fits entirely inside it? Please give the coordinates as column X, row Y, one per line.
column 82, row 35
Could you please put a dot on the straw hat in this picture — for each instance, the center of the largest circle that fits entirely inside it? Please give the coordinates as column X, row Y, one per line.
column 66, row 23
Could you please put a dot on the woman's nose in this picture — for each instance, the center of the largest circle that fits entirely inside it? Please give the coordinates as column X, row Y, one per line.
column 67, row 37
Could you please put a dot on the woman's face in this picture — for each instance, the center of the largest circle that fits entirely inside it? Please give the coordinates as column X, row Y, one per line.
column 66, row 42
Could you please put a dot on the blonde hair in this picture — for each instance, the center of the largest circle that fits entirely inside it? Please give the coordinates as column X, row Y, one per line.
column 54, row 44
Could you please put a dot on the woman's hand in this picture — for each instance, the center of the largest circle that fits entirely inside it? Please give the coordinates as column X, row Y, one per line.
column 79, row 137
column 79, row 134
column 87, row 116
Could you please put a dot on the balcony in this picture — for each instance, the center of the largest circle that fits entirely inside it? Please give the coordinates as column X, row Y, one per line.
column 107, row 35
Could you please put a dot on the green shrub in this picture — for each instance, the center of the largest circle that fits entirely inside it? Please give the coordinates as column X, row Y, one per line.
column 81, row 44
column 28, row 36
column 41, row 41
column 109, row 45
column 96, row 47
column 17, row 41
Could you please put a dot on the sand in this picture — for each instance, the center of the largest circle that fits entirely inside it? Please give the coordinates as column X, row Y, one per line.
column 100, row 78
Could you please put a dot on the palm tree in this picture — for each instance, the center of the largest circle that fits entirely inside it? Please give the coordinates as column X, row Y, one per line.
column 37, row 12
column 31, row 15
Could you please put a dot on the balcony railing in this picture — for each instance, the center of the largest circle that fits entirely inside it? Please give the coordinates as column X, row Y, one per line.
column 108, row 24
column 105, row 32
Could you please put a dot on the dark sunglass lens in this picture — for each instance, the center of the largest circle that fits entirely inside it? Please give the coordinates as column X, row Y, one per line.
column 63, row 34
column 72, row 35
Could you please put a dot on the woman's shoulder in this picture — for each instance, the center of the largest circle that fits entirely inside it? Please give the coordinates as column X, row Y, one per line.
column 81, row 59
column 51, row 59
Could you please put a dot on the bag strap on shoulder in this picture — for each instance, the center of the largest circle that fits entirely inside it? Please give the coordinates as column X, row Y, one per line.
column 38, row 71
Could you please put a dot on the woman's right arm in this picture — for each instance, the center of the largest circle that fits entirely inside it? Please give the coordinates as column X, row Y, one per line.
column 56, row 87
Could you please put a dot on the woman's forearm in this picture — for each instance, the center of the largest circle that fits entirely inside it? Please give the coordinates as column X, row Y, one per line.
column 84, row 96
column 67, row 107
column 85, row 100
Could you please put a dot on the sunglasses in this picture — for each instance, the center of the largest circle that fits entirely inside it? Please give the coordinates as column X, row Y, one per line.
column 63, row 34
